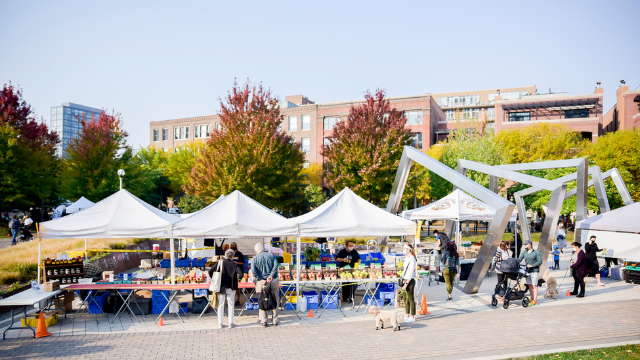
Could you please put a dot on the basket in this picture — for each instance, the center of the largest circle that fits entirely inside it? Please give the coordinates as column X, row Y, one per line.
column 165, row 263
column 96, row 305
column 313, row 299
column 329, row 301
column 183, row 262
column 198, row 263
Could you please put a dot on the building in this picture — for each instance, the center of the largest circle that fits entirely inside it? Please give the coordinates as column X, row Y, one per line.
column 307, row 122
column 64, row 120
column 581, row 113
column 478, row 104
column 625, row 114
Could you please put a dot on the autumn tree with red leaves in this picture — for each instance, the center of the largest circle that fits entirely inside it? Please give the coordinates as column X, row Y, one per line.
column 90, row 164
column 364, row 151
column 251, row 153
column 27, row 153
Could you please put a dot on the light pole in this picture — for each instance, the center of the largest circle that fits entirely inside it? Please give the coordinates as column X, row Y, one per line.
column 120, row 174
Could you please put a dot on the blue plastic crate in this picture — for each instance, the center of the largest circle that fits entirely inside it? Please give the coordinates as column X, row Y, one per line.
column 291, row 306
column 158, row 294
column 313, row 299
column 184, row 306
column 183, row 262
column 365, row 262
column 252, row 304
column 375, row 255
column 372, row 301
column 386, row 287
column 329, row 301
column 302, row 257
column 97, row 304
column 165, row 263
column 384, row 295
column 198, row 263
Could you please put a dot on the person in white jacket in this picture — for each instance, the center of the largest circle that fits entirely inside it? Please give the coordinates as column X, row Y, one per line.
column 409, row 282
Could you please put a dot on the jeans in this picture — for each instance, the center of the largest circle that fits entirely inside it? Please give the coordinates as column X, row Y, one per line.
column 14, row 233
column 556, row 264
column 410, row 301
column 230, row 295
column 275, row 291
column 448, row 279
column 323, row 248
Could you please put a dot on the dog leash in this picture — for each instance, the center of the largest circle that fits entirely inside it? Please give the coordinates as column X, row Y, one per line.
column 565, row 275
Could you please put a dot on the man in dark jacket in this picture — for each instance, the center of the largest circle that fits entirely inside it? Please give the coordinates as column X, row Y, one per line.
column 14, row 225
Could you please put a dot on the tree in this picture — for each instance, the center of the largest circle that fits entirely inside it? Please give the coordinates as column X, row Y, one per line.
column 179, row 164
column 313, row 174
column 27, row 153
column 250, row 154
column 154, row 162
column 364, row 151
column 191, row 203
column 541, row 142
column 620, row 149
column 93, row 159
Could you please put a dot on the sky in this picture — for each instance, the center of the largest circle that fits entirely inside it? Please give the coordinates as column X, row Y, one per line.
column 160, row 60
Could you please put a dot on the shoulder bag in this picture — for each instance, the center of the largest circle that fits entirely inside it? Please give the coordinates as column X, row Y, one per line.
column 216, row 279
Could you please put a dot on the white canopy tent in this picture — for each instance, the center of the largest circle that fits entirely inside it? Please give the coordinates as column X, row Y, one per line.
column 617, row 230
column 347, row 214
column 121, row 215
column 81, row 204
column 457, row 206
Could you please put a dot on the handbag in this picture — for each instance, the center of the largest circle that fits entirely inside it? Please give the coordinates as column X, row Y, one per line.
column 266, row 300
column 216, row 279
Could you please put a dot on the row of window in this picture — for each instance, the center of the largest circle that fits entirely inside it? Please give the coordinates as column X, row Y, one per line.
column 458, row 101
column 514, row 95
column 182, row 132
column 306, row 123
column 568, row 114
column 471, row 113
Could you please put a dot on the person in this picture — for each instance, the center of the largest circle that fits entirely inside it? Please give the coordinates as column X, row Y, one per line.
column 441, row 241
column 331, row 243
column 561, row 237
column 593, row 267
column 265, row 270
column 348, row 256
column 14, row 225
column 26, row 221
column 323, row 245
column 225, row 247
column 516, row 246
column 450, row 264
column 238, row 258
column 578, row 269
column 230, row 272
column 533, row 259
column 501, row 255
column 408, row 279
column 556, row 257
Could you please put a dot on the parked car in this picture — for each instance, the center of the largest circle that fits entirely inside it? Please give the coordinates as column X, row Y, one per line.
column 174, row 211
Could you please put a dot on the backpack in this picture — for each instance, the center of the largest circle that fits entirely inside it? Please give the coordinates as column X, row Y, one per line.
column 450, row 263
column 266, row 300
column 11, row 223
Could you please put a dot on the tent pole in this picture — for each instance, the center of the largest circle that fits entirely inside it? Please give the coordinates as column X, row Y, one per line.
column 173, row 262
column 298, row 269
column 39, row 253
column 86, row 257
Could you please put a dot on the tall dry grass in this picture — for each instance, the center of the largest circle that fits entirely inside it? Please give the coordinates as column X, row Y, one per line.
column 19, row 262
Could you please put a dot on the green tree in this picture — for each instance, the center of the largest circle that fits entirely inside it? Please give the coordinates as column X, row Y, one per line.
column 179, row 164
column 541, row 142
column 153, row 162
column 313, row 174
column 27, row 153
column 92, row 160
column 620, row 149
column 250, row 154
column 191, row 204
column 364, row 151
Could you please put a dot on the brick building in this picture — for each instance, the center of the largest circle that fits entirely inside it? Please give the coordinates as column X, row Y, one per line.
column 625, row 114
column 581, row 113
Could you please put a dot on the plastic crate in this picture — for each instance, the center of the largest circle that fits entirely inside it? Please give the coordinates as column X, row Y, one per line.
column 632, row 268
column 96, row 305
column 159, row 294
column 386, row 287
column 183, row 262
column 302, row 257
column 330, row 301
column 386, row 295
column 165, row 263
column 291, row 306
column 198, row 263
column 376, row 255
column 184, row 307
column 372, row 301
column 313, row 299
column 252, row 304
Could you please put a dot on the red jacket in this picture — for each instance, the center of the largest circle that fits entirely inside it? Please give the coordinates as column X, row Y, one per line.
column 580, row 266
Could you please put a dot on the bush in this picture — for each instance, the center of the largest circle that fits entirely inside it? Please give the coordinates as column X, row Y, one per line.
column 26, row 271
column 117, row 246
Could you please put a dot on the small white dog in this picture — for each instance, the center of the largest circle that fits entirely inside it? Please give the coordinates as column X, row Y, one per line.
column 386, row 316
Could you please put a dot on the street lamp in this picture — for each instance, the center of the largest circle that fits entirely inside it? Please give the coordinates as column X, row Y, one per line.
column 120, row 174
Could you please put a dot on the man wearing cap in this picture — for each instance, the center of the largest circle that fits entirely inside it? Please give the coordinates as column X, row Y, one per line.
column 533, row 260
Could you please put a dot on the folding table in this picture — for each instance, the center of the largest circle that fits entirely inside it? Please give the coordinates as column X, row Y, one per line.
column 24, row 299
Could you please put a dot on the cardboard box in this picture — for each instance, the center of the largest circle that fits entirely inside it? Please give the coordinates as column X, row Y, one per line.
column 50, row 286
column 105, row 274
column 399, row 303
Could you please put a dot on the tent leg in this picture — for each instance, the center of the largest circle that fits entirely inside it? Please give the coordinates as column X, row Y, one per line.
column 86, row 256
column 173, row 262
column 39, row 258
column 298, row 269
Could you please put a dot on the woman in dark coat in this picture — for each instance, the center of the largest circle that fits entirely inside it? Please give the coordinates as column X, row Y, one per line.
column 578, row 269
column 593, row 267
column 230, row 274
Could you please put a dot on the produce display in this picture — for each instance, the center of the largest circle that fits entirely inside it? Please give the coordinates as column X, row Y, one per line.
column 346, row 275
column 389, row 274
column 360, row 274
column 67, row 271
column 326, row 258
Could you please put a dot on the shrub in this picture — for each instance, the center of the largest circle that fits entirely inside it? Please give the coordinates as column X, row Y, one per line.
column 117, row 246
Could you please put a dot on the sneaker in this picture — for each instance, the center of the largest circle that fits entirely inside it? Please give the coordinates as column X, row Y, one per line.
column 231, row 326
column 532, row 303
column 600, row 284
column 410, row 320
column 275, row 324
column 264, row 324
column 220, row 326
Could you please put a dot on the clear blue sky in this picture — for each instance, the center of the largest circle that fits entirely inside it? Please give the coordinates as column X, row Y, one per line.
column 155, row 60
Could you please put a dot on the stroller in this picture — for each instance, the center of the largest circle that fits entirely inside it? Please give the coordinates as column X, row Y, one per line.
column 25, row 234
column 512, row 271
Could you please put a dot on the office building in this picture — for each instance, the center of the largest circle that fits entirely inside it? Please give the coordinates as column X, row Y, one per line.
column 625, row 114
column 64, row 120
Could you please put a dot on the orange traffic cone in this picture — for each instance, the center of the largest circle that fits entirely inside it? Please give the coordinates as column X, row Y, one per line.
column 568, row 293
column 160, row 323
column 423, row 307
column 310, row 313
column 42, row 327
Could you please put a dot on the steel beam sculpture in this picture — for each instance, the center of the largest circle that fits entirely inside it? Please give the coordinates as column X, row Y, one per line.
column 504, row 208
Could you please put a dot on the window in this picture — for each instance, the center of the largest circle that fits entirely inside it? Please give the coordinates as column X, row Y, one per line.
column 326, row 142
column 306, row 122
column 520, row 116
column 165, row 134
column 330, row 122
column 293, row 123
column 156, row 135
column 165, row 149
column 451, row 115
column 181, row 133
column 514, row 95
column 306, row 145
column 413, row 117
column 218, row 126
column 417, row 140
column 491, row 113
column 305, row 165
column 459, row 101
column 201, row 131
column 579, row 113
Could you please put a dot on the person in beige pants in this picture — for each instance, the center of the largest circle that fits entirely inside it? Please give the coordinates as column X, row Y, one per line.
column 265, row 270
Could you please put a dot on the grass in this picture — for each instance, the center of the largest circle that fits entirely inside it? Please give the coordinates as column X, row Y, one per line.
column 618, row 352
column 19, row 263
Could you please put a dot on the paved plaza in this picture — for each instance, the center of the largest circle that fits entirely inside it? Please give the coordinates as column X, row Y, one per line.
column 468, row 327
